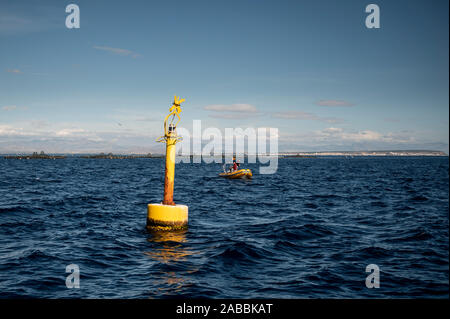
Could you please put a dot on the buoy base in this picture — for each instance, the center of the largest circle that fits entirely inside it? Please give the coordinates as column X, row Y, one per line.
column 167, row 217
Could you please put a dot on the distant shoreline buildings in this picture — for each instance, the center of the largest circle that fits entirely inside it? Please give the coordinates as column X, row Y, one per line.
column 367, row 153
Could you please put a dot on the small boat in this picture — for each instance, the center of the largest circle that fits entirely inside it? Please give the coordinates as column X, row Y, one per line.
column 241, row 173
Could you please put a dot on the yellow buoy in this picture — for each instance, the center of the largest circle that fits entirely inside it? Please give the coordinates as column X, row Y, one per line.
column 167, row 215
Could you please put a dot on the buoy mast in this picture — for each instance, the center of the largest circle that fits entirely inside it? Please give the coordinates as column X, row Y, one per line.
column 168, row 215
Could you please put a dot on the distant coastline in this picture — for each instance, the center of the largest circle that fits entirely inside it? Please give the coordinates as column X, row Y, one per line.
column 120, row 156
column 35, row 155
column 43, row 155
column 366, row 153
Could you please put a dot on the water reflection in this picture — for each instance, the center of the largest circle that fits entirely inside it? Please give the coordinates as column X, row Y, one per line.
column 168, row 250
column 168, row 246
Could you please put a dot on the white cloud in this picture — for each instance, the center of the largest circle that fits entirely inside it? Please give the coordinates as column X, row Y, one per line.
column 9, row 107
column 15, row 18
column 11, row 22
column 38, row 135
column 8, row 130
column 231, row 116
column 392, row 119
column 232, row 111
column 338, row 133
column 16, row 71
column 342, row 135
column 72, row 137
column 13, row 108
column 118, row 51
column 247, row 108
column 70, row 132
column 299, row 115
column 336, row 138
column 148, row 119
column 334, row 103
column 38, row 124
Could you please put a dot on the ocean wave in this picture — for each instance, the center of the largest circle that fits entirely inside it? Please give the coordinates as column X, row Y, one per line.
column 306, row 232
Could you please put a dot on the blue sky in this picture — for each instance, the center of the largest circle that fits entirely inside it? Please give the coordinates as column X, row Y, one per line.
column 310, row 68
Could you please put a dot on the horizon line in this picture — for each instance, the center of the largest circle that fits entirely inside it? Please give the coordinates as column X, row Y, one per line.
column 278, row 153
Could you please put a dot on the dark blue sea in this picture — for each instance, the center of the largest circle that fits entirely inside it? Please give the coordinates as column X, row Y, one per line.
column 308, row 231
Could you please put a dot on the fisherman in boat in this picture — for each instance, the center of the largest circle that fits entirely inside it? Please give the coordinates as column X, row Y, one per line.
column 234, row 171
column 235, row 164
